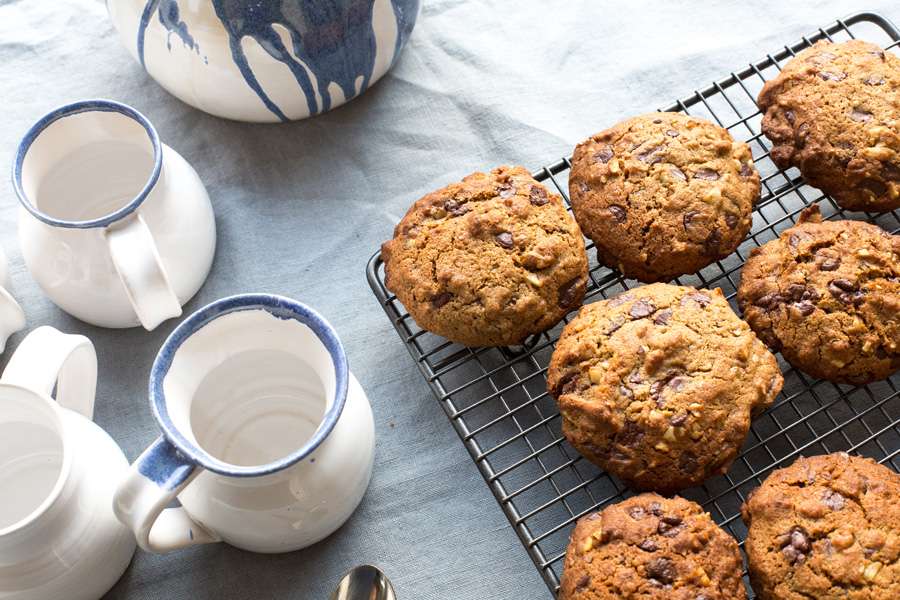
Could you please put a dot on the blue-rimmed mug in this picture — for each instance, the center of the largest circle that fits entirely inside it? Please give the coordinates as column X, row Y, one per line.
column 115, row 226
column 268, row 439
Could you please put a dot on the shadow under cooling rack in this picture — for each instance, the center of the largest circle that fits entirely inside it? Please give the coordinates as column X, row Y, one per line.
column 497, row 401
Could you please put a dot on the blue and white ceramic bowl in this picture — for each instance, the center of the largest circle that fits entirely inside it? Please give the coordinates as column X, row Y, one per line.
column 265, row 60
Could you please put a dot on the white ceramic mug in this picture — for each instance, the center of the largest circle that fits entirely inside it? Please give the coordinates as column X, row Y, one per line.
column 115, row 226
column 12, row 317
column 59, row 538
column 268, row 440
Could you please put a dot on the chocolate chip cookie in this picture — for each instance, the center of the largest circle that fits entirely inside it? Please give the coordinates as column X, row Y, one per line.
column 647, row 548
column 828, row 528
column 658, row 384
column 834, row 113
column 489, row 260
column 664, row 194
column 827, row 295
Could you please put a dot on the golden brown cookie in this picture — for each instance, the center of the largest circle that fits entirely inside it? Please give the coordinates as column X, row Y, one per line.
column 825, row 528
column 663, row 194
column 658, row 384
column 487, row 261
column 834, row 113
column 651, row 548
column 827, row 295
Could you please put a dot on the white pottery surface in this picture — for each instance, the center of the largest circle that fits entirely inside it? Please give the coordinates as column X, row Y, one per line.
column 192, row 51
column 301, row 207
column 64, row 542
column 74, row 267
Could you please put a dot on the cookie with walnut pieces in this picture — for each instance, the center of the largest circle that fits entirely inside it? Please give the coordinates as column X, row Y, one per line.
column 834, row 113
column 658, row 385
column 826, row 527
column 663, row 194
column 651, row 548
column 487, row 261
column 827, row 295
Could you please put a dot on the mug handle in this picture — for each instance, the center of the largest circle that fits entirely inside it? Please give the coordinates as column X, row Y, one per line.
column 49, row 358
column 141, row 271
column 152, row 482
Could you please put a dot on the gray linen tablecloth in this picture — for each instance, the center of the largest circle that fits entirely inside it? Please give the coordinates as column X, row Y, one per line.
column 301, row 207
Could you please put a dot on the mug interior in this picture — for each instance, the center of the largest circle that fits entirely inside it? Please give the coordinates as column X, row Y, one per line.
column 250, row 388
column 33, row 460
column 87, row 163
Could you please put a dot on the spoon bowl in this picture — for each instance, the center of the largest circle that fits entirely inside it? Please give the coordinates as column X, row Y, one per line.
column 364, row 582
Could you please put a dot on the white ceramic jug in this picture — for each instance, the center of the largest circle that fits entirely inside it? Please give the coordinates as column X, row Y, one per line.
column 115, row 226
column 59, row 539
column 268, row 439
column 12, row 317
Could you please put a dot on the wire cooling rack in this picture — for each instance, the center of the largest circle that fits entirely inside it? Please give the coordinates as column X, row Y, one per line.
column 497, row 401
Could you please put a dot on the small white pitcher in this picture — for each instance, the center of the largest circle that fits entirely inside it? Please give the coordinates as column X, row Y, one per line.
column 268, row 440
column 115, row 226
column 59, row 538
column 12, row 317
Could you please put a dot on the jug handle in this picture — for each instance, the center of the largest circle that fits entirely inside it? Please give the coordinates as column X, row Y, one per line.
column 136, row 258
column 159, row 474
column 49, row 358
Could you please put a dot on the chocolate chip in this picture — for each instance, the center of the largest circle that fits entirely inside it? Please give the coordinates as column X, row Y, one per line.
column 615, row 324
column 669, row 526
column 879, row 54
column 505, row 239
column 648, row 545
column 662, row 317
column 604, row 155
column 635, row 377
column 618, row 213
column 626, row 392
column 795, row 291
column 702, row 299
column 845, row 290
column 833, row 500
column 570, row 293
column 567, row 384
column 657, row 121
column 796, row 239
column 706, row 174
column 412, row 231
column 876, row 187
column 679, row 420
column 769, row 301
column 802, row 132
column 642, row 308
column 618, row 300
column 506, row 190
column 676, row 172
column 712, row 243
column 637, row 513
column 441, row 299
column 662, row 570
column 795, row 545
column 671, row 380
column 583, row 582
column 688, row 218
column 731, row 220
column 790, row 116
column 805, row 307
column 455, row 208
column 646, row 156
column 671, row 520
column 829, row 76
column 746, row 170
column 672, row 133
column 859, row 115
column 843, row 284
column 655, row 509
column 830, row 264
column 538, row 196
column 631, row 435
column 891, row 171
column 874, row 80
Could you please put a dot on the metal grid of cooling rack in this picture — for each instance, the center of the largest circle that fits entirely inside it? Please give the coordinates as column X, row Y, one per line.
column 497, row 401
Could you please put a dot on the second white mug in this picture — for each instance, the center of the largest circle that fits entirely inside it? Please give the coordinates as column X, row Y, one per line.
column 115, row 226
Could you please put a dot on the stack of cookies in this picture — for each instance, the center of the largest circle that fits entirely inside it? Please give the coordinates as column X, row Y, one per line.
column 658, row 385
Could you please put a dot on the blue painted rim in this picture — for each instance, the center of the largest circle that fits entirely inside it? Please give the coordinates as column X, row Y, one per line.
column 69, row 110
column 282, row 308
